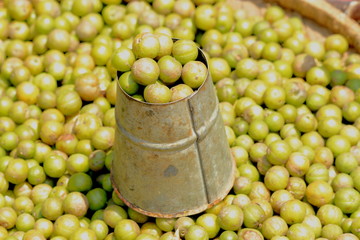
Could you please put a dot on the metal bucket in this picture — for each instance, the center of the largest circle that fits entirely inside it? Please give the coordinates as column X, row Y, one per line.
column 173, row 159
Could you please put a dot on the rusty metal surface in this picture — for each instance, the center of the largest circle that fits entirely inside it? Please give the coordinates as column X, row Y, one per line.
column 172, row 159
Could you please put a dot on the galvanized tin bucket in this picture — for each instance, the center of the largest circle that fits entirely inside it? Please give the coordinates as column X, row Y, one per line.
column 171, row 159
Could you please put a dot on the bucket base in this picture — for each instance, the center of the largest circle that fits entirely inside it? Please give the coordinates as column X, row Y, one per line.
column 189, row 212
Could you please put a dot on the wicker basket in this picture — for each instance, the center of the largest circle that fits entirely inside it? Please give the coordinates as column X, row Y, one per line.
column 320, row 18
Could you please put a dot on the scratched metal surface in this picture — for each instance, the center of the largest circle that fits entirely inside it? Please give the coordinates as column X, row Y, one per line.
column 172, row 160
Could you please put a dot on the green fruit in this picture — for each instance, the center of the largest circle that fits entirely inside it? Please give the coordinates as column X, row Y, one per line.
column 249, row 233
column 146, row 45
column 209, row 222
column 254, row 215
column 79, row 182
column 66, row 225
column 194, row 74
column 346, row 162
column 69, row 102
column 76, row 203
column 157, row 93
column 166, row 44
column 228, row 235
column 276, row 178
column 136, row 216
column 184, row 51
column 54, row 166
column 16, row 171
column 77, row 163
column 97, row 198
column 314, row 223
column 196, row 232
column 165, row 224
column 205, row 17
column 230, row 217
column 336, row 42
column 293, row 211
column 126, row 229
column 227, row 93
column 170, row 69
column 100, row 228
column 7, row 217
column 103, row 138
column 338, row 144
column 274, row 226
column 145, row 71
column 330, row 214
column 83, row 233
column 278, row 152
column 180, row 91
column 331, row 231
column 347, row 199
column 319, row 193
column 300, row 231
column 52, row 208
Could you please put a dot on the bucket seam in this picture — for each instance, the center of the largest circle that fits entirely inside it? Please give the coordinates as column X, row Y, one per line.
column 199, row 153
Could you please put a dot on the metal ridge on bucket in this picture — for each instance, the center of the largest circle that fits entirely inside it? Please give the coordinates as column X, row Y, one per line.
column 171, row 159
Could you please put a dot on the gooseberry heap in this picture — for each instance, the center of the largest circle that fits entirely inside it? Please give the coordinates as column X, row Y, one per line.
column 290, row 105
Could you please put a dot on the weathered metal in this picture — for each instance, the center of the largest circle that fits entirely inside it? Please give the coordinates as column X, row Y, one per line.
column 171, row 159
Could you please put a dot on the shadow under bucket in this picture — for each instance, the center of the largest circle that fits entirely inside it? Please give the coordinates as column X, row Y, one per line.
column 172, row 159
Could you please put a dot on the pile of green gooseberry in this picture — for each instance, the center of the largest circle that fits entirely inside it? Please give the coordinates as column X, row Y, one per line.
column 290, row 105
